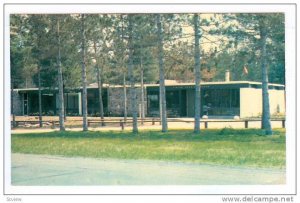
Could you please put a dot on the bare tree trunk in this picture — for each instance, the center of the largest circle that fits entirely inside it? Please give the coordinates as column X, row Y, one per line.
column 234, row 71
column 84, row 89
column 60, row 85
column 65, row 106
column 142, row 94
column 162, row 90
column 40, row 97
column 266, row 122
column 12, row 105
column 100, row 95
column 197, row 74
column 132, row 82
column 125, row 97
column 124, row 74
column 99, row 81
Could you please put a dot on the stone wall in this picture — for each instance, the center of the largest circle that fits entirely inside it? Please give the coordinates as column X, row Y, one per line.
column 17, row 102
column 116, row 101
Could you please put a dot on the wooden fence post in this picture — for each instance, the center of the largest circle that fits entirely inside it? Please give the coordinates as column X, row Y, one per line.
column 283, row 123
column 102, row 122
column 14, row 124
column 205, row 124
column 246, row 124
column 153, row 122
column 122, row 124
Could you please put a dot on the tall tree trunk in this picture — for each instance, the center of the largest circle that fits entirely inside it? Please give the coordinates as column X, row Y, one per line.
column 162, row 90
column 132, row 81
column 60, row 85
column 99, row 81
column 12, row 104
column 65, row 106
column 124, row 74
column 100, row 95
column 266, row 122
column 84, row 89
column 142, row 94
column 125, row 97
column 197, row 74
column 234, row 72
column 40, row 97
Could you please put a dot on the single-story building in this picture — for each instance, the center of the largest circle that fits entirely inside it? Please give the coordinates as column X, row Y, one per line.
column 218, row 99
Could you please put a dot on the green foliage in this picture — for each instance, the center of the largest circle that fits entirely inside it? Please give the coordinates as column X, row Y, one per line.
column 179, row 62
column 20, row 60
column 244, row 38
column 232, row 38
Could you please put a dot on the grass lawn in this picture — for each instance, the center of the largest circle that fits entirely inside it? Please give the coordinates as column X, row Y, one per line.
column 229, row 147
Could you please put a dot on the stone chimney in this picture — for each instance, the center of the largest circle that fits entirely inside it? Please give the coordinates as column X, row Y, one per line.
column 227, row 76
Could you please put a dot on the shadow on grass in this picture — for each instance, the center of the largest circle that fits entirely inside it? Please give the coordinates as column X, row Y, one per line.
column 237, row 135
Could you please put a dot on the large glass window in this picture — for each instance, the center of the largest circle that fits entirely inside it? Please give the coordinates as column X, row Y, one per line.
column 175, row 103
column 153, row 103
column 71, row 102
column 220, row 101
column 153, row 100
column 172, row 99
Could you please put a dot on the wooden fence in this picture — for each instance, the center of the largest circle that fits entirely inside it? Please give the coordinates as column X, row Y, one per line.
column 153, row 121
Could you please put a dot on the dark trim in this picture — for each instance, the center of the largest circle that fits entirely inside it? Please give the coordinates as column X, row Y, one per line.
column 170, row 87
column 150, row 4
column 216, row 86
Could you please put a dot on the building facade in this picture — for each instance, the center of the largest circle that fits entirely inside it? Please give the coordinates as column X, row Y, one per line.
column 218, row 99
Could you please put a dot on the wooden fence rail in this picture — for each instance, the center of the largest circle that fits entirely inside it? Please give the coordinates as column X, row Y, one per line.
column 122, row 123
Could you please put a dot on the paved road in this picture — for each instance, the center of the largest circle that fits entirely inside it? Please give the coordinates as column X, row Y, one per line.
column 57, row 170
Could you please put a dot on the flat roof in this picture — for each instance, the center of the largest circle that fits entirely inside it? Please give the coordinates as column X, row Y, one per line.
column 236, row 83
column 215, row 83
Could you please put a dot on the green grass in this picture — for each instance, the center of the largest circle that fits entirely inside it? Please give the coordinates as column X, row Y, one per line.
column 247, row 147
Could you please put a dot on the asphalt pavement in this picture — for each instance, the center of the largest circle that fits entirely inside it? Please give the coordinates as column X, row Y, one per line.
column 46, row 170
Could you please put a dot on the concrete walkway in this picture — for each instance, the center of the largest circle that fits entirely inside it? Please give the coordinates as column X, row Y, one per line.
column 57, row 170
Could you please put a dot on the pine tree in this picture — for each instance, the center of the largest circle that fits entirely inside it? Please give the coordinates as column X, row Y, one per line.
column 162, row 90
column 60, row 81
column 131, row 75
column 266, row 122
column 84, row 82
column 99, row 82
column 197, row 74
